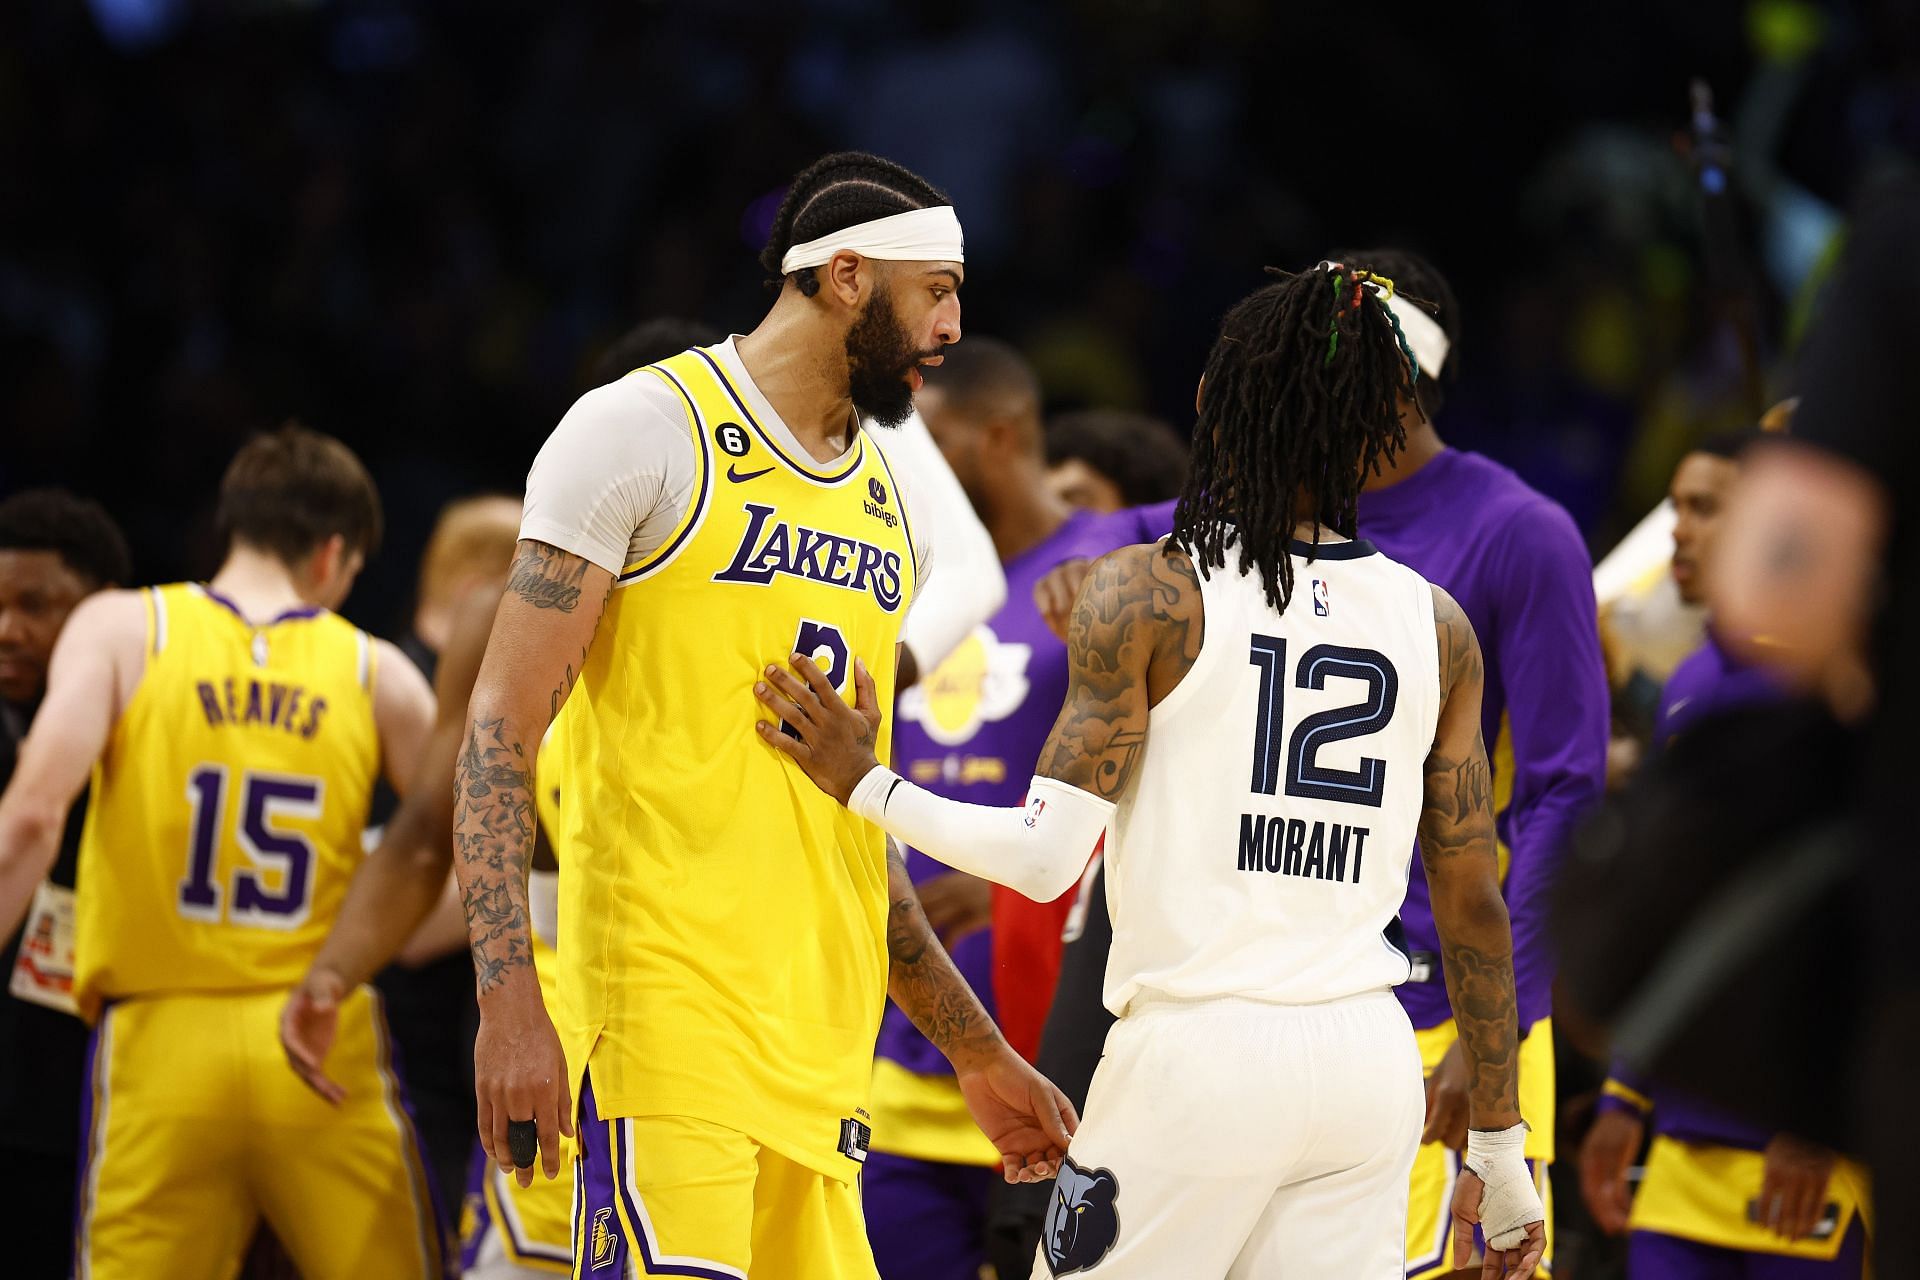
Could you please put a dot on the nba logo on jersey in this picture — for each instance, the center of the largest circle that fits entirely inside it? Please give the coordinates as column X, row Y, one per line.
column 604, row 1237
column 1320, row 609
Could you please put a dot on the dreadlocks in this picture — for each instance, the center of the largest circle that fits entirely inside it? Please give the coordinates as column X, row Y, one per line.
column 1299, row 405
column 836, row 192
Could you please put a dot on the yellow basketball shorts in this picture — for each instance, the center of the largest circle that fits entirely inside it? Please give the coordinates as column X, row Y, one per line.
column 677, row 1196
column 510, row 1230
column 1437, row 1168
column 195, row 1128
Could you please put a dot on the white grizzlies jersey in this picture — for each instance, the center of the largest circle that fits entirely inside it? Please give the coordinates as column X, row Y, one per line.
column 1262, row 846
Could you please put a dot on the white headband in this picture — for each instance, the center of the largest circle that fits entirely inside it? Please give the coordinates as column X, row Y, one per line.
column 919, row 235
column 1425, row 338
column 1424, row 335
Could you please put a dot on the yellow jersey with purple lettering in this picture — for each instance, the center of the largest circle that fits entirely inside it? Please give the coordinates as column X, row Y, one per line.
column 225, row 816
column 722, row 922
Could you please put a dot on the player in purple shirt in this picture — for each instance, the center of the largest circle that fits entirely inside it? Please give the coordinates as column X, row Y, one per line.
column 1720, row 1196
column 972, row 729
column 1517, row 565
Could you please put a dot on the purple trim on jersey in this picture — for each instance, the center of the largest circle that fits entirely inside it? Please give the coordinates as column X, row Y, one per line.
column 1675, row 1115
column 477, row 1169
column 1517, row 567
column 697, row 510
column 480, row 1172
column 600, row 1183
column 1707, row 682
column 416, row 1153
column 91, row 1080
column 1654, row 1256
column 859, row 454
column 299, row 613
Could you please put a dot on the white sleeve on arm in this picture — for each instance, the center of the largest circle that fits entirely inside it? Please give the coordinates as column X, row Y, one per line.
column 971, row 586
column 612, row 480
column 1039, row 850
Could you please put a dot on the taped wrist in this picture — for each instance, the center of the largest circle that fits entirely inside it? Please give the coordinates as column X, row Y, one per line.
column 1038, row 850
column 1510, row 1201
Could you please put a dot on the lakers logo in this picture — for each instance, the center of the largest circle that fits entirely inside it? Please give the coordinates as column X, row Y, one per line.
column 603, row 1239
column 771, row 546
column 981, row 680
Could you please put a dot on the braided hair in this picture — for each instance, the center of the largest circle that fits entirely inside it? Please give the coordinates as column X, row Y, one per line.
column 1419, row 279
column 836, row 192
column 1298, row 407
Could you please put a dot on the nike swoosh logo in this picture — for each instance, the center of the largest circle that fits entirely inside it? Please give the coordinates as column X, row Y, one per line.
column 737, row 476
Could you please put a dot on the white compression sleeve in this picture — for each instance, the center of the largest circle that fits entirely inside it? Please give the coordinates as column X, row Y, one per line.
column 967, row 586
column 1039, row 850
column 1510, row 1201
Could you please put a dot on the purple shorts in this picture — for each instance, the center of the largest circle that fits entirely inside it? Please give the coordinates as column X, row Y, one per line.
column 1651, row 1256
column 926, row 1220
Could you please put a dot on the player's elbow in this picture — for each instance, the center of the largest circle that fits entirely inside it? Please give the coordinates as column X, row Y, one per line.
column 29, row 833
column 428, row 858
column 1047, row 878
column 1470, row 907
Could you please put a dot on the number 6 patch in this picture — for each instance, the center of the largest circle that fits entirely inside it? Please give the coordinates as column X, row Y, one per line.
column 732, row 439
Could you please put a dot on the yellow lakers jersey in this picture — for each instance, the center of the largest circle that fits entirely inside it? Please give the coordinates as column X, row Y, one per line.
column 543, row 903
column 225, row 816
column 722, row 922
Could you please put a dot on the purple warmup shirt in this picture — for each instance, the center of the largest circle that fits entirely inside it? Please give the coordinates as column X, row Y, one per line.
column 1514, row 561
column 972, row 729
column 1709, row 681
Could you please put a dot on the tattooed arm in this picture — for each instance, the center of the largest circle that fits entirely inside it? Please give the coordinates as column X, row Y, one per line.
column 1457, row 849
column 1027, row 1119
column 923, row 981
column 1495, row 1190
column 397, row 884
column 538, row 646
column 1136, row 632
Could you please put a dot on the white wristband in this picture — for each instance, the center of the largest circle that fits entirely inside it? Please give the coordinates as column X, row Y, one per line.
column 1510, row 1202
column 1038, row 850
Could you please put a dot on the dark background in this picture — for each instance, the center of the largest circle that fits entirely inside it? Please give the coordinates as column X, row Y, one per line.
column 413, row 223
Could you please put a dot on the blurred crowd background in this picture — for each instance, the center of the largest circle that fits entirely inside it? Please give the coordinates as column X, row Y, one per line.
column 415, row 223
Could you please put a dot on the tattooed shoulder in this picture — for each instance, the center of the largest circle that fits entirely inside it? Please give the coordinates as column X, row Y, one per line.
column 1460, row 661
column 1178, row 608
column 546, row 577
column 1135, row 633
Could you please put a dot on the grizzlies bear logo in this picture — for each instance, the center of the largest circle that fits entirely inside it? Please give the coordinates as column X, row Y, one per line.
column 1082, row 1220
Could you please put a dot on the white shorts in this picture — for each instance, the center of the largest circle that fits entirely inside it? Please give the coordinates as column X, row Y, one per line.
column 1230, row 1138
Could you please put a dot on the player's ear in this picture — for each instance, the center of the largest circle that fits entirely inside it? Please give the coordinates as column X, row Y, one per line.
column 848, row 277
column 1003, row 433
column 327, row 560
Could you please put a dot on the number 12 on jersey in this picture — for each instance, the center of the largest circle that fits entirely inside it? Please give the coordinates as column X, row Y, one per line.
column 1305, row 777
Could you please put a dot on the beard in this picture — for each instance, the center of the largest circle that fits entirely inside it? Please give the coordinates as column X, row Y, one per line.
column 880, row 354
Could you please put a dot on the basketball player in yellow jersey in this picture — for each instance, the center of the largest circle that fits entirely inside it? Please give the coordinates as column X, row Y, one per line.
column 726, row 940
column 233, row 731
column 507, row 1231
